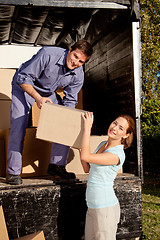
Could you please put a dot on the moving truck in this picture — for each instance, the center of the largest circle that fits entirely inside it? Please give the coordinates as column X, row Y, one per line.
column 112, row 76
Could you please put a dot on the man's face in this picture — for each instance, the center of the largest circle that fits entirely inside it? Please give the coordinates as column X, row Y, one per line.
column 75, row 59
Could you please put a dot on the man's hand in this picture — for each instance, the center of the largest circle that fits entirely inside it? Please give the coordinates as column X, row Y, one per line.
column 42, row 100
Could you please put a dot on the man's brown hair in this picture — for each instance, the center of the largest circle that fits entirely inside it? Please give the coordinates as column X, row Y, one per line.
column 84, row 46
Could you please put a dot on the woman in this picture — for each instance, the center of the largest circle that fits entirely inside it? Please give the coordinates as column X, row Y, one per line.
column 103, row 212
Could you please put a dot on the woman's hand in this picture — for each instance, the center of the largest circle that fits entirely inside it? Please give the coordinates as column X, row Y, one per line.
column 85, row 145
column 87, row 120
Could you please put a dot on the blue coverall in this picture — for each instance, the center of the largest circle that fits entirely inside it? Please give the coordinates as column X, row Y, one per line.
column 46, row 72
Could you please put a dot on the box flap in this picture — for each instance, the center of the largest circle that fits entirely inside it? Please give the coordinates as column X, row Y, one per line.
column 3, row 227
column 34, row 236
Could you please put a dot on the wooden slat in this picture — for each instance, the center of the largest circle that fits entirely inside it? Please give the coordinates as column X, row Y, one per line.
column 120, row 64
column 124, row 52
column 80, row 4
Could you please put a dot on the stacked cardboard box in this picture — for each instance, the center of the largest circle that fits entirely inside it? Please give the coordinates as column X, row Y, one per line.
column 63, row 125
column 5, row 101
column 36, row 110
column 57, row 124
column 35, row 156
column 4, row 233
column 5, row 96
column 36, row 153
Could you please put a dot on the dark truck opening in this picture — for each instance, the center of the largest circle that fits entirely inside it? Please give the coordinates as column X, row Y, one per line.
column 112, row 76
column 109, row 83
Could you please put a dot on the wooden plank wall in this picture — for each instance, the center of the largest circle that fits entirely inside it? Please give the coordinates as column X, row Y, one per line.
column 108, row 84
column 109, row 89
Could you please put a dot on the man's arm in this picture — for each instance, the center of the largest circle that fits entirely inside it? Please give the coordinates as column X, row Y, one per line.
column 33, row 93
column 71, row 92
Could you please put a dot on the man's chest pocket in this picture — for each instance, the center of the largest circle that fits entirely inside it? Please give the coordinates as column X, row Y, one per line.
column 65, row 80
column 49, row 79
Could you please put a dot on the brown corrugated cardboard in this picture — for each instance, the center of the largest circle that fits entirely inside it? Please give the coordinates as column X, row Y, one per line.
column 5, row 114
column 2, row 158
column 6, row 76
column 3, row 227
column 35, row 156
column 60, row 124
column 35, row 236
column 2, row 153
column 36, row 110
column 73, row 162
column 35, row 115
column 4, row 233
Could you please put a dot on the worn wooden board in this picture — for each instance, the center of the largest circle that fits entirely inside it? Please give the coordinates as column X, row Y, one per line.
column 59, row 209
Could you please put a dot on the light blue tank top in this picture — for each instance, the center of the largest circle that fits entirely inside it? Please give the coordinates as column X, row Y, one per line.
column 100, row 192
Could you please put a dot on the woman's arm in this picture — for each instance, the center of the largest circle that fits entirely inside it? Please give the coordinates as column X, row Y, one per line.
column 85, row 165
column 105, row 158
column 85, row 145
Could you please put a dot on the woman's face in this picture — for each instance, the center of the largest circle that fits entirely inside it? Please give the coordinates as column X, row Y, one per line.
column 118, row 129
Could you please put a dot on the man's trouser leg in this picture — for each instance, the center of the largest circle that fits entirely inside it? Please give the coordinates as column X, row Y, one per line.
column 59, row 154
column 19, row 121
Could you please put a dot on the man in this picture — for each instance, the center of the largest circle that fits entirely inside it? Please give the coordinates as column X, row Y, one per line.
column 37, row 80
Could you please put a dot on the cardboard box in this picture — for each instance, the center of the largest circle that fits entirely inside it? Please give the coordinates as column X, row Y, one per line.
column 2, row 158
column 34, row 236
column 73, row 161
column 35, row 114
column 60, row 124
column 35, row 156
column 3, row 227
column 36, row 110
column 6, row 76
column 5, row 114
column 4, row 233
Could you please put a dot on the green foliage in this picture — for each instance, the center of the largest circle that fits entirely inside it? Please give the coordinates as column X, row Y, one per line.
column 150, row 48
column 151, row 118
column 151, row 135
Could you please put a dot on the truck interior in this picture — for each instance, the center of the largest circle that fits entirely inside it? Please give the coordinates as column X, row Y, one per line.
column 109, row 87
